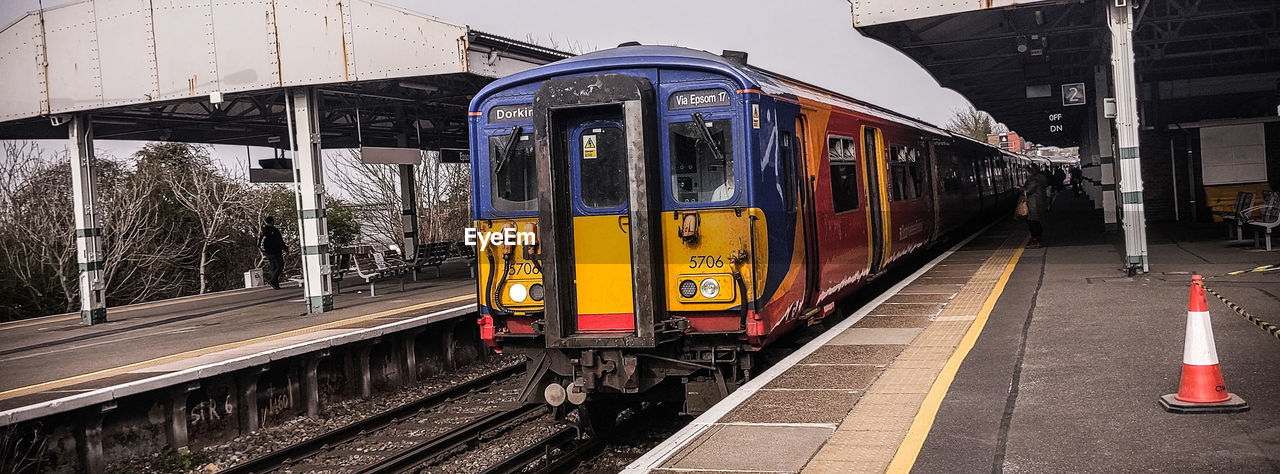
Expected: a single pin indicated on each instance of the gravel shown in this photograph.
(244, 448)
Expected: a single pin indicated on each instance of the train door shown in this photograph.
(800, 182)
(935, 187)
(877, 199)
(597, 158)
(596, 220)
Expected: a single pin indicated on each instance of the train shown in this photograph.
(691, 209)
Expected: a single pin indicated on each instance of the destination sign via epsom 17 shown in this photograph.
(699, 99)
(511, 113)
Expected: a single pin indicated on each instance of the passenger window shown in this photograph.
(905, 169)
(513, 173)
(701, 153)
(843, 154)
(603, 167)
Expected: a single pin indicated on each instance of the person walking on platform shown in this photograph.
(271, 243)
(1035, 195)
(1057, 183)
(1076, 186)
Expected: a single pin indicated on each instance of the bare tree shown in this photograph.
(443, 191)
(448, 209)
(212, 198)
(37, 230)
(142, 249)
(568, 46)
(974, 123)
(374, 193)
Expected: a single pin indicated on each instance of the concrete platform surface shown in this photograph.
(1088, 351)
(856, 387)
(48, 363)
(1056, 365)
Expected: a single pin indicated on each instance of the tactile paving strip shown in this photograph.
(870, 435)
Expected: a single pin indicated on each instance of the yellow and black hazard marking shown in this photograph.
(1265, 326)
(1264, 268)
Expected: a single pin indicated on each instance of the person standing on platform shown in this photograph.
(271, 243)
(1035, 194)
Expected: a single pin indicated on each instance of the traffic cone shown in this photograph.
(1202, 389)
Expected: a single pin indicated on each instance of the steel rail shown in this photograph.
(543, 449)
(312, 446)
(453, 439)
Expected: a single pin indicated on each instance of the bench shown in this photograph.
(339, 265)
(1234, 217)
(367, 267)
(1267, 217)
(431, 254)
(461, 249)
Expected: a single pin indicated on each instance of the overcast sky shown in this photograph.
(815, 43)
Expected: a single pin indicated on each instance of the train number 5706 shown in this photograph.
(706, 261)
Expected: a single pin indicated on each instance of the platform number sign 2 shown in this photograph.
(1073, 94)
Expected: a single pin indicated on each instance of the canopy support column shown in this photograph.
(84, 188)
(313, 228)
(1133, 215)
(408, 205)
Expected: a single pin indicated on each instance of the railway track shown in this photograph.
(453, 440)
(559, 452)
(311, 447)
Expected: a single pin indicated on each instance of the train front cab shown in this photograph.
(654, 233)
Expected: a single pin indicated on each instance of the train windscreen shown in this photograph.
(701, 160)
(513, 173)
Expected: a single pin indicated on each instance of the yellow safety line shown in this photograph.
(38, 321)
(909, 449)
(118, 309)
(17, 392)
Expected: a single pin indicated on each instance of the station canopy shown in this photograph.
(1199, 59)
(212, 71)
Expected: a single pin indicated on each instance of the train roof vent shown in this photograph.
(736, 57)
(630, 43)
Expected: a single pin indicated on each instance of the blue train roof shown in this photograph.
(637, 56)
(747, 77)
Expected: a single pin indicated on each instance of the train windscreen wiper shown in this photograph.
(508, 149)
(706, 135)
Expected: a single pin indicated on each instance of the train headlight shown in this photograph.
(688, 289)
(518, 293)
(709, 288)
(536, 291)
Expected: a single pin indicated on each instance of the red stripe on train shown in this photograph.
(607, 322)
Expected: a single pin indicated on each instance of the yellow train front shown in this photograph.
(650, 216)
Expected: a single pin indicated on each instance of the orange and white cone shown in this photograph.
(1202, 389)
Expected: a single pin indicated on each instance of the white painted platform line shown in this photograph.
(659, 454)
(105, 394)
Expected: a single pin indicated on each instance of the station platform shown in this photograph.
(54, 364)
(995, 357)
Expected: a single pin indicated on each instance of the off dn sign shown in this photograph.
(1055, 123)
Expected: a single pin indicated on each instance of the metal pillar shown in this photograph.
(1133, 219)
(409, 210)
(408, 205)
(313, 228)
(1106, 154)
(84, 188)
